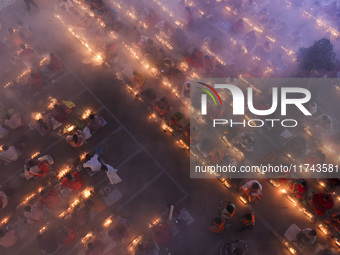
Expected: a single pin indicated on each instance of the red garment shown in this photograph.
(55, 65)
(320, 204)
(43, 168)
(50, 200)
(70, 237)
(75, 184)
(28, 54)
(37, 81)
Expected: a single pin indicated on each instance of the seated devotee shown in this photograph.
(95, 248)
(111, 174)
(278, 61)
(237, 28)
(8, 154)
(27, 55)
(219, 71)
(267, 47)
(35, 80)
(180, 37)
(186, 89)
(34, 212)
(315, 158)
(66, 235)
(66, 5)
(95, 123)
(13, 121)
(49, 199)
(45, 125)
(324, 121)
(151, 17)
(216, 156)
(76, 140)
(218, 225)
(148, 47)
(39, 167)
(13, 39)
(299, 188)
(137, 80)
(72, 182)
(246, 141)
(250, 40)
(195, 59)
(195, 135)
(8, 238)
(119, 231)
(263, 16)
(331, 9)
(161, 106)
(188, 17)
(333, 221)
(3, 200)
(111, 52)
(208, 66)
(54, 65)
(59, 113)
(253, 190)
(271, 24)
(162, 234)
(322, 203)
(165, 29)
(3, 132)
(306, 237)
(47, 241)
(93, 162)
(25, 30)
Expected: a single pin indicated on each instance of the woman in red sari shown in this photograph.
(74, 182)
(322, 203)
(54, 65)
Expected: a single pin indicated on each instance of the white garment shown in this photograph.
(10, 155)
(112, 175)
(68, 4)
(249, 184)
(93, 163)
(14, 122)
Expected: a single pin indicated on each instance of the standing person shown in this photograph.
(247, 221)
(218, 226)
(28, 5)
(111, 174)
(74, 182)
(93, 162)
